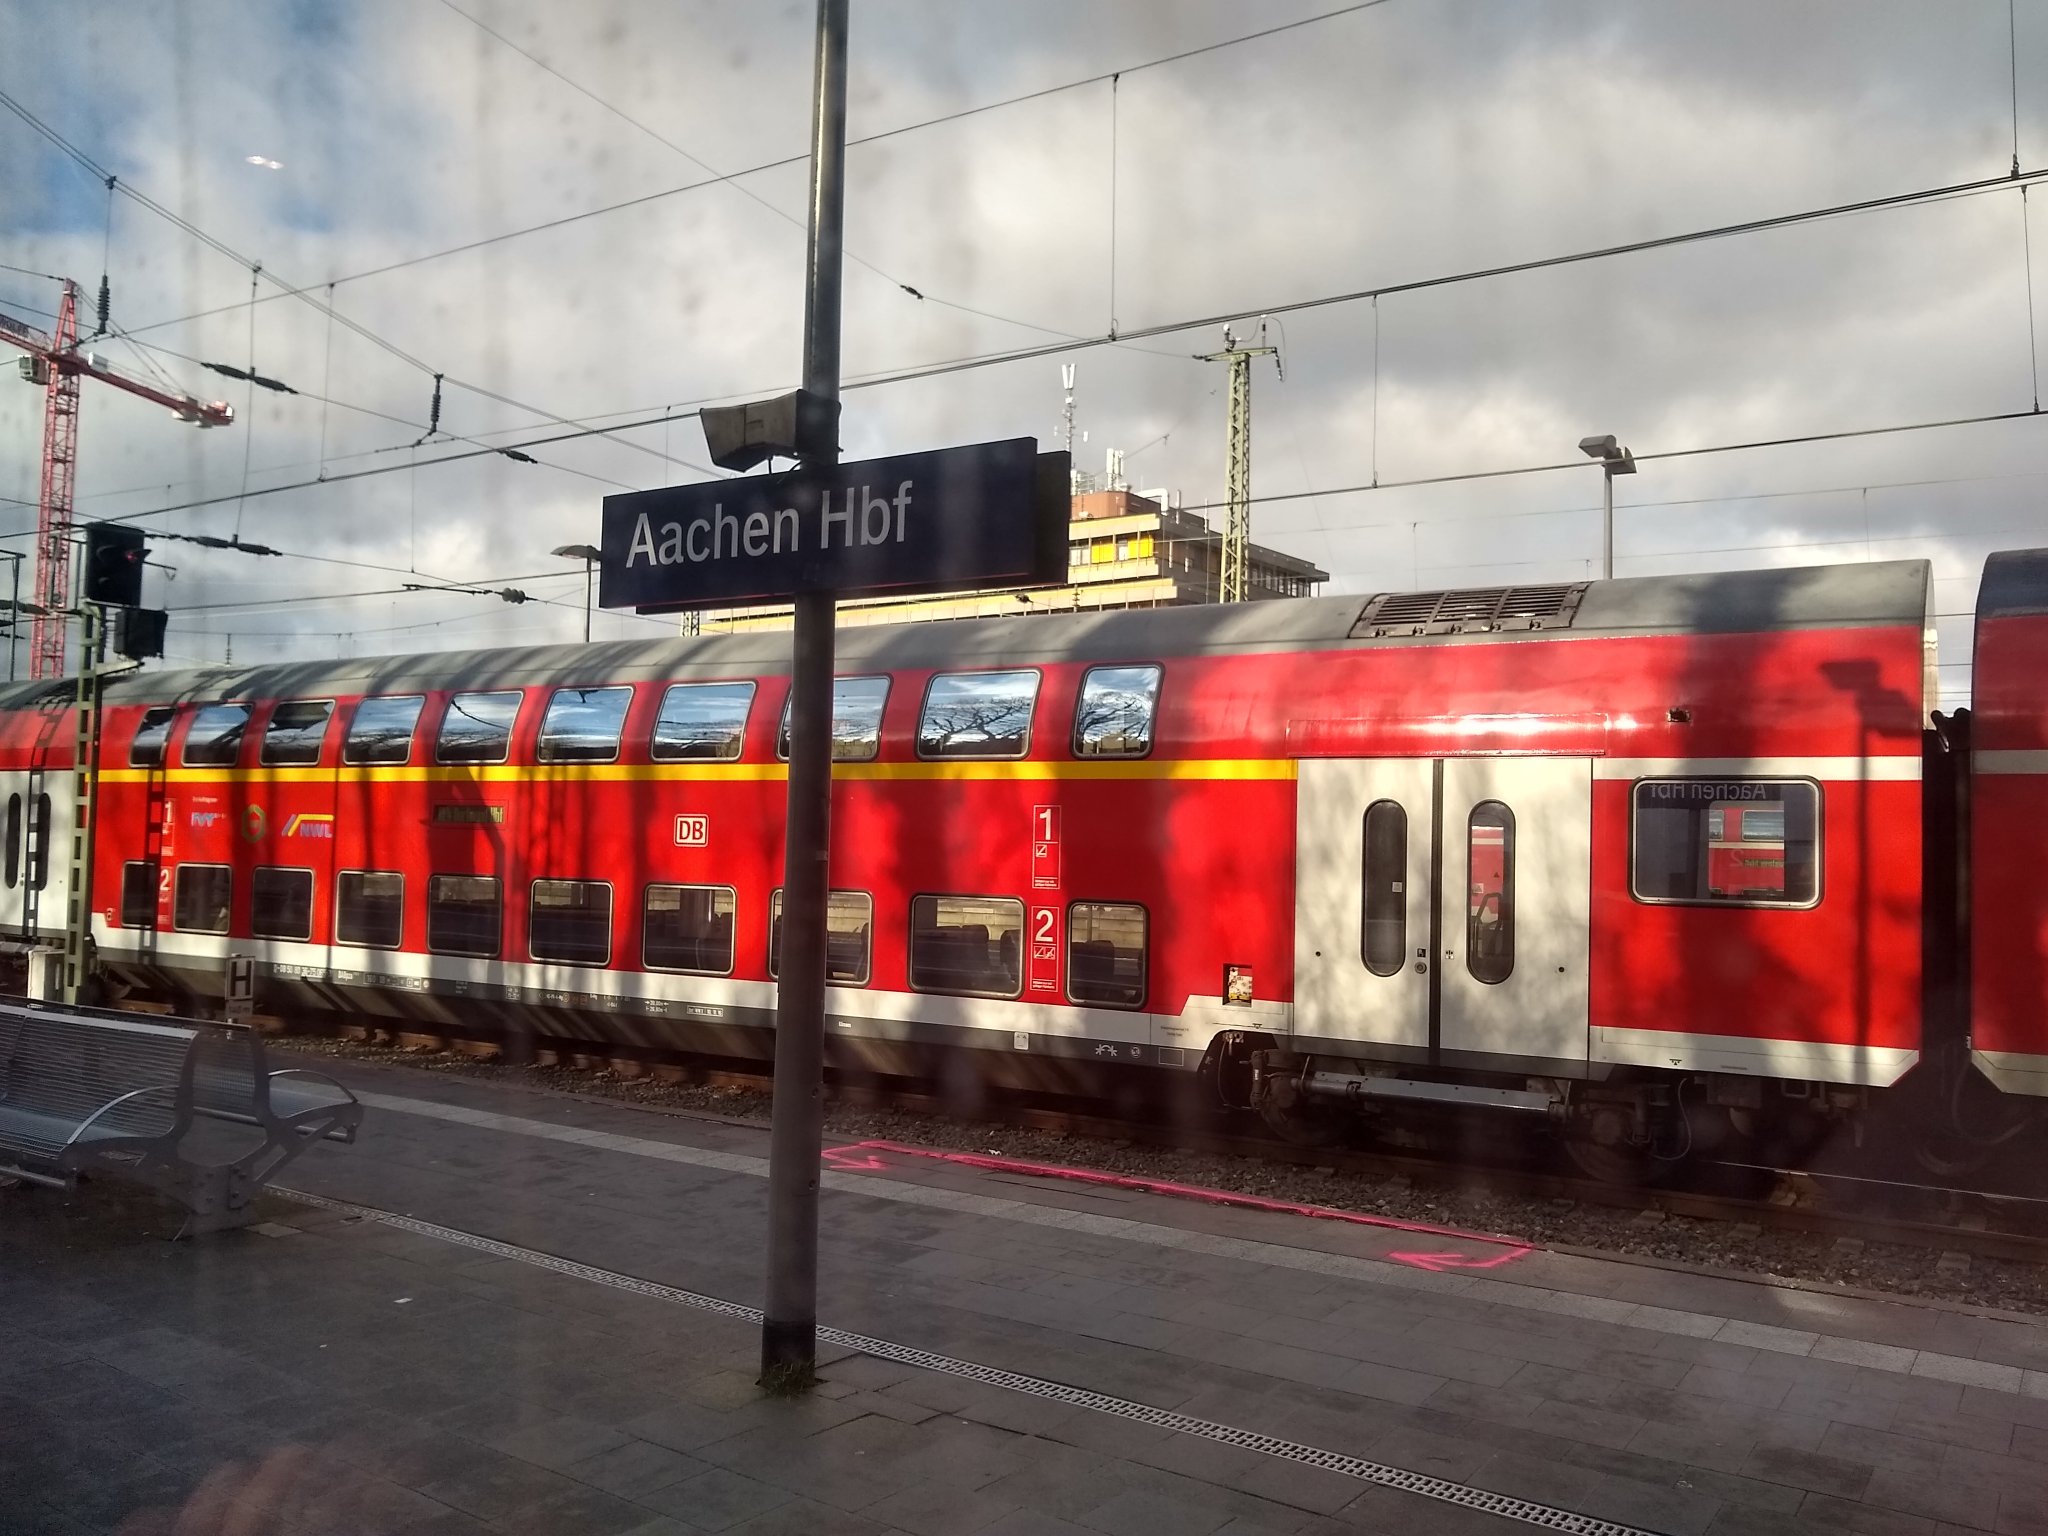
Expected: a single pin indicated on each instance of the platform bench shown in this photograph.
(193, 1111)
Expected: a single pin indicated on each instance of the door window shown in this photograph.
(1385, 941)
(1490, 891)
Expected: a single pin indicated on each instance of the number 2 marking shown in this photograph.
(1045, 921)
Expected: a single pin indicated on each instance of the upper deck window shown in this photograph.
(1113, 717)
(215, 737)
(1727, 842)
(296, 731)
(582, 725)
(147, 749)
(381, 731)
(477, 727)
(702, 722)
(977, 714)
(856, 719)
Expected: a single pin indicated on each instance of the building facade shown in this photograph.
(1123, 551)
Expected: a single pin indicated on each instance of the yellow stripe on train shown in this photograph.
(634, 773)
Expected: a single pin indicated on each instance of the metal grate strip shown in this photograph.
(1469, 610)
(1544, 1516)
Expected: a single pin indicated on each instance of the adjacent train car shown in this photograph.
(1605, 852)
(2009, 786)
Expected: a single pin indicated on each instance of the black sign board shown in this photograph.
(989, 515)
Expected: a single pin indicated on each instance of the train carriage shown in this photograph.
(1554, 849)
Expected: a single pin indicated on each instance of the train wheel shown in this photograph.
(1600, 1147)
(1291, 1116)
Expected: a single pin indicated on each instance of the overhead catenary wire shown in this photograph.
(921, 294)
(287, 290)
(1479, 274)
(785, 161)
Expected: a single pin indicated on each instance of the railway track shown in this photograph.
(1848, 1210)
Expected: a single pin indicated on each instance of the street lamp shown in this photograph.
(1614, 460)
(589, 554)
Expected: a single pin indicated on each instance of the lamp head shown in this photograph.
(1600, 447)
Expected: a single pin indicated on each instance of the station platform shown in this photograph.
(513, 1310)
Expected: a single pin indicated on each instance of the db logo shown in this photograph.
(693, 831)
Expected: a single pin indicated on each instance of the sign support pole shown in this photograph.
(789, 1324)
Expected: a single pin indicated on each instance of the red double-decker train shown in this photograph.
(1637, 857)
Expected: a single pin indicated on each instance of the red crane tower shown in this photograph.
(55, 362)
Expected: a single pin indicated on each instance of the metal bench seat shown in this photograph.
(165, 1105)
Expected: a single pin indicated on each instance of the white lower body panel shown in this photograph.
(1861, 1065)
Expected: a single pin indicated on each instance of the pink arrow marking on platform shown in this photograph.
(1439, 1262)
(845, 1160)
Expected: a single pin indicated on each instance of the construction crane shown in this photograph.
(1237, 526)
(56, 362)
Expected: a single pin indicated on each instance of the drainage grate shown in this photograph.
(1543, 1516)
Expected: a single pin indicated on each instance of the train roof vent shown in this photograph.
(1469, 610)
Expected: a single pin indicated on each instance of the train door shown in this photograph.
(1442, 907)
(1517, 836)
(1362, 932)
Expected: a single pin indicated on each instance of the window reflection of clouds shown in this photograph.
(477, 728)
(381, 731)
(856, 719)
(583, 725)
(702, 721)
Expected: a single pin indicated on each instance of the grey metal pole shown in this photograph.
(14, 619)
(588, 566)
(1607, 523)
(789, 1325)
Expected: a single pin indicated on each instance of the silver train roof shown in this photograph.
(1808, 597)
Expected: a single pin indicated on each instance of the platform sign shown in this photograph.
(1045, 848)
(987, 515)
(1044, 970)
(241, 988)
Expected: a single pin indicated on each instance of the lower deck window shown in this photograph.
(281, 903)
(369, 908)
(199, 897)
(1727, 842)
(464, 915)
(849, 921)
(1106, 954)
(687, 928)
(571, 921)
(139, 880)
(967, 944)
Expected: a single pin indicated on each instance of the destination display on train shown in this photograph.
(986, 515)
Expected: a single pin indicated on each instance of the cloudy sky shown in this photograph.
(1375, 147)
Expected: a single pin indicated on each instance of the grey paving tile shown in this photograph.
(1912, 1493)
(716, 1500)
(1810, 1470)
(492, 1488)
(1135, 1512)
(1866, 1519)
(580, 1512)
(635, 1468)
(1302, 1487)
(935, 1509)
(1030, 1522)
